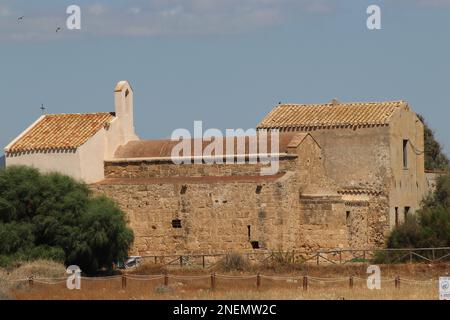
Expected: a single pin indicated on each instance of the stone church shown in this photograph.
(348, 173)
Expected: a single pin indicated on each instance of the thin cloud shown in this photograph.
(161, 17)
(4, 11)
(97, 9)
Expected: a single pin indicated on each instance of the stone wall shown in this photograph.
(323, 222)
(228, 207)
(204, 209)
(155, 168)
(215, 217)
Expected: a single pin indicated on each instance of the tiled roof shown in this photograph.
(60, 131)
(358, 191)
(163, 148)
(331, 115)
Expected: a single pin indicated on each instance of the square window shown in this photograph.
(176, 223)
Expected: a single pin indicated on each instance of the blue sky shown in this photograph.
(226, 62)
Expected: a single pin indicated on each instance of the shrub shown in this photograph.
(429, 228)
(52, 216)
(282, 258)
(233, 262)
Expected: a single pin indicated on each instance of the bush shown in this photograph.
(233, 262)
(52, 216)
(430, 227)
(281, 258)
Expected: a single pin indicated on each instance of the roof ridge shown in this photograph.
(80, 113)
(332, 115)
(344, 103)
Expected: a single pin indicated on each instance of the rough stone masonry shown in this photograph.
(348, 173)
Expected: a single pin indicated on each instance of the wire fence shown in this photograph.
(331, 256)
(216, 281)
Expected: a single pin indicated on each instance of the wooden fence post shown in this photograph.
(203, 261)
(166, 279)
(305, 283)
(351, 282)
(258, 281)
(30, 281)
(318, 257)
(340, 256)
(410, 256)
(124, 282)
(181, 261)
(213, 281)
(397, 282)
(156, 259)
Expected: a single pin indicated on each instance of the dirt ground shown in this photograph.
(417, 281)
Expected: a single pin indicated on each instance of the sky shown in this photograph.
(225, 62)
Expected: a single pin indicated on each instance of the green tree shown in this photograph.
(435, 158)
(53, 216)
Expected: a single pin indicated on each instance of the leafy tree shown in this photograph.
(53, 216)
(435, 158)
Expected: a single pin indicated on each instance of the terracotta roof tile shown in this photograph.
(60, 131)
(330, 115)
(163, 148)
(358, 191)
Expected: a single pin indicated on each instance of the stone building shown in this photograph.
(348, 172)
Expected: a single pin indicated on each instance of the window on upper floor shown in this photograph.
(405, 153)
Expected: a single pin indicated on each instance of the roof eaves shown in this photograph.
(9, 146)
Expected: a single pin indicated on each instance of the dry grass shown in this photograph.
(245, 289)
(38, 269)
(232, 290)
(9, 278)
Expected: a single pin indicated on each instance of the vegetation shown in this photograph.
(429, 228)
(244, 285)
(52, 216)
(435, 158)
(233, 262)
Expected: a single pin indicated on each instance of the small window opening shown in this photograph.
(406, 212)
(405, 153)
(127, 93)
(249, 232)
(183, 189)
(396, 216)
(255, 244)
(176, 223)
(347, 215)
(258, 189)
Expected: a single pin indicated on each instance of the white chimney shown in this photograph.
(123, 101)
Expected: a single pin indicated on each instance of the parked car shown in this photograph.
(133, 262)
